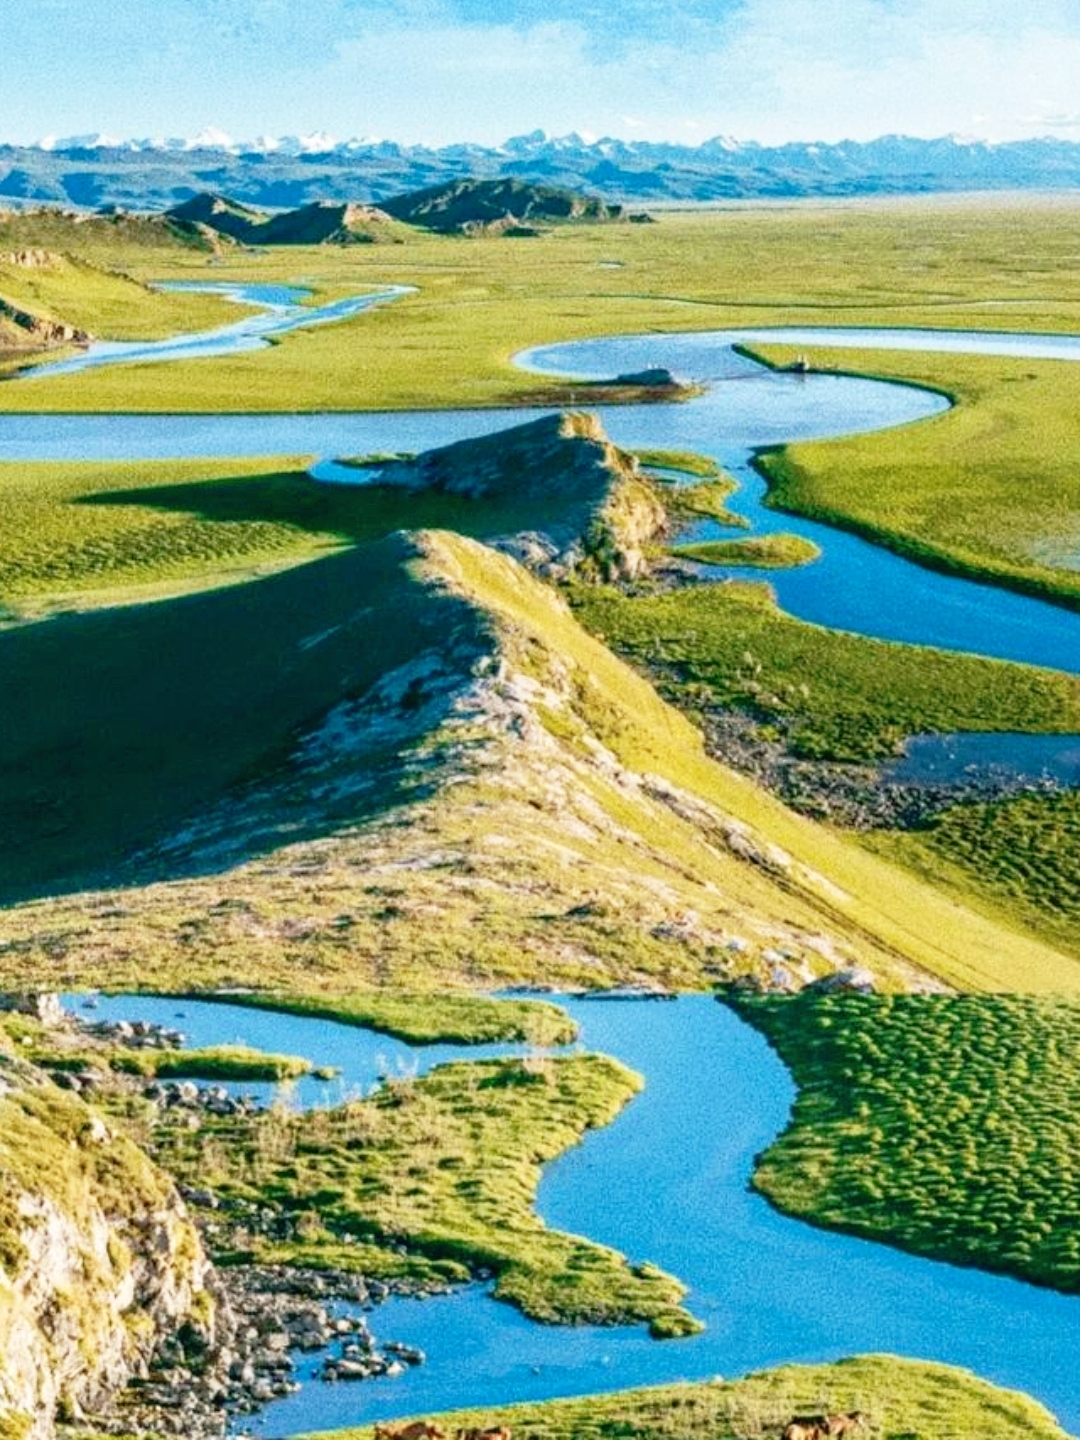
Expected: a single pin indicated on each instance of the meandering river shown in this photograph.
(666, 1182)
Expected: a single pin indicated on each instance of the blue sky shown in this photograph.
(443, 70)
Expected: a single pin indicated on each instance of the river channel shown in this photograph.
(666, 1182)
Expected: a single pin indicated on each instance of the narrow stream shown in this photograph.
(666, 1182)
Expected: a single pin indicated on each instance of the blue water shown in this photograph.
(667, 1182)
(933, 759)
(855, 586)
(280, 312)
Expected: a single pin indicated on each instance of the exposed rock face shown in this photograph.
(603, 514)
(98, 1258)
(39, 331)
(30, 259)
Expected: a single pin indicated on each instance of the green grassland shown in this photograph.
(447, 1167)
(988, 489)
(844, 696)
(109, 302)
(905, 1399)
(421, 1018)
(766, 552)
(947, 1125)
(938, 263)
(1019, 857)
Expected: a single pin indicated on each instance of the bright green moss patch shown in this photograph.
(905, 1400)
(447, 1166)
(843, 696)
(212, 1062)
(686, 462)
(429, 1019)
(946, 1125)
(769, 552)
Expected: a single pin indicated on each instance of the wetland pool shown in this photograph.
(666, 1182)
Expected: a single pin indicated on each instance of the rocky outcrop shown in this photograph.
(36, 331)
(99, 1261)
(594, 513)
(34, 259)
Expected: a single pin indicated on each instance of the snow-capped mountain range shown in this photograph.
(96, 169)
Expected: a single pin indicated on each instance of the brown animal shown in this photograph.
(806, 1427)
(845, 1424)
(410, 1430)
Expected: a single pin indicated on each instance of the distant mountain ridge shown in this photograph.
(91, 171)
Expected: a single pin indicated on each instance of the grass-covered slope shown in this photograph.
(1019, 856)
(946, 1125)
(504, 800)
(905, 1400)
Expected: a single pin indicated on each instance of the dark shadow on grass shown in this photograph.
(354, 514)
(118, 726)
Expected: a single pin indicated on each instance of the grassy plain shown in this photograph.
(1007, 264)
(947, 1125)
(905, 1399)
(844, 696)
(988, 489)
(447, 1167)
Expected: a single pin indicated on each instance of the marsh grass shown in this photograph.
(905, 1399)
(946, 1125)
(444, 1167)
(845, 697)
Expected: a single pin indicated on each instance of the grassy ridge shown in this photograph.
(906, 1400)
(447, 1166)
(845, 696)
(537, 861)
(946, 1125)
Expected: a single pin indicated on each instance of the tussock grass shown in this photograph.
(946, 1125)
(1020, 857)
